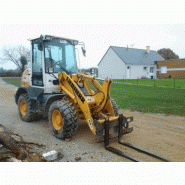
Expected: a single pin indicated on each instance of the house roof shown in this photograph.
(136, 56)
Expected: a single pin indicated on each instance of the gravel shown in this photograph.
(155, 132)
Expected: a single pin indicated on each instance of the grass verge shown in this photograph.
(142, 98)
(13, 81)
(149, 99)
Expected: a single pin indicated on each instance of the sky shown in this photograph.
(99, 24)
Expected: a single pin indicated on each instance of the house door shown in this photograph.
(151, 73)
(128, 72)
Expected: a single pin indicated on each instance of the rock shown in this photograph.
(84, 153)
(52, 155)
(77, 158)
(68, 139)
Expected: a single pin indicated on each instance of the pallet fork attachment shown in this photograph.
(124, 122)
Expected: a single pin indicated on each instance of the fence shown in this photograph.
(168, 83)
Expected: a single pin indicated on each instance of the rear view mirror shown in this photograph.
(40, 46)
(84, 52)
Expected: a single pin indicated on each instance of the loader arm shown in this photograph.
(102, 102)
(94, 105)
(68, 85)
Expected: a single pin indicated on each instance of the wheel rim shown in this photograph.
(23, 108)
(57, 120)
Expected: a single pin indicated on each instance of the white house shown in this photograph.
(128, 63)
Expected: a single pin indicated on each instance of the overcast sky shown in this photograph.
(99, 24)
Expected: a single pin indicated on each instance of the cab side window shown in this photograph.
(37, 77)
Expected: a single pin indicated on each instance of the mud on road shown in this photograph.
(164, 135)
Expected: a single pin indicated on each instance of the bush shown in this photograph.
(144, 77)
(10, 73)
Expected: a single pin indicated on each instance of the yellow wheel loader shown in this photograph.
(54, 88)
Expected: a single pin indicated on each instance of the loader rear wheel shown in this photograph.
(63, 119)
(27, 108)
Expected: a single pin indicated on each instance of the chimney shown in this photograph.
(148, 49)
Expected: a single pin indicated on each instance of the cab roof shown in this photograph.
(45, 36)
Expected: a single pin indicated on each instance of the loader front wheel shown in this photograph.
(57, 119)
(27, 108)
(62, 119)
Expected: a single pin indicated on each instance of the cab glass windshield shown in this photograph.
(60, 55)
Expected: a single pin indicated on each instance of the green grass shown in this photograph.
(14, 81)
(179, 83)
(168, 101)
(149, 99)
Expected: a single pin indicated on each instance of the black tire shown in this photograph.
(115, 107)
(31, 108)
(68, 114)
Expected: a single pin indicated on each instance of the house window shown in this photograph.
(151, 69)
(144, 68)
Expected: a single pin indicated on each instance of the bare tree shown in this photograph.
(23, 61)
(167, 54)
(18, 55)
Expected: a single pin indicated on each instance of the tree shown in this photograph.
(167, 54)
(18, 55)
(1, 70)
(23, 61)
